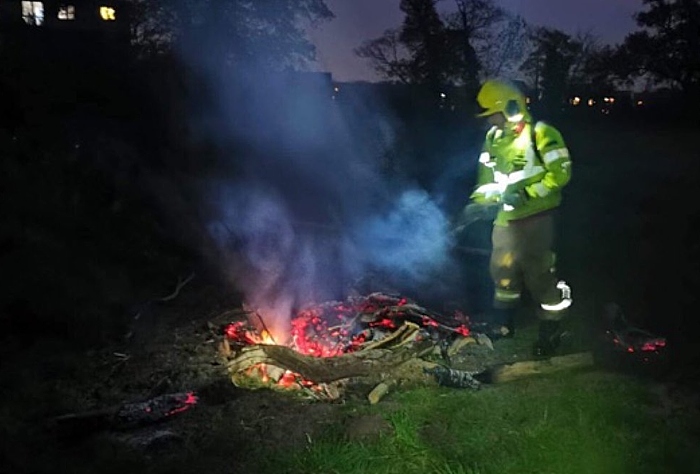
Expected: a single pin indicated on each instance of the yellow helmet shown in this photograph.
(501, 96)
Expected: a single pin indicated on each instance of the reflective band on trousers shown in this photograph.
(554, 155)
(566, 299)
(506, 295)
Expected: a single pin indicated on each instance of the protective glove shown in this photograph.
(514, 198)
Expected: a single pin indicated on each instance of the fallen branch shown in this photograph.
(178, 287)
(328, 369)
(405, 334)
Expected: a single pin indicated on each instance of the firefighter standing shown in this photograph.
(522, 169)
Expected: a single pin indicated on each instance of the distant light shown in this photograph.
(336, 89)
(33, 13)
(66, 12)
(591, 102)
(108, 13)
(443, 95)
(640, 103)
(528, 100)
(576, 101)
(612, 100)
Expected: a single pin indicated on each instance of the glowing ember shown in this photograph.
(654, 345)
(242, 333)
(336, 328)
(186, 402)
(638, 342)
(157, 408)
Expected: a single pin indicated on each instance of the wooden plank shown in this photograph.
(529, 368)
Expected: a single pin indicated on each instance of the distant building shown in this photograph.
(49, 18)
(63, 57)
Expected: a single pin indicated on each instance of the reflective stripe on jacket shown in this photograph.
(509, 163)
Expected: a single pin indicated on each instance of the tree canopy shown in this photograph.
(667, 48)
(456, 48)
(270, 33)
(477, 39)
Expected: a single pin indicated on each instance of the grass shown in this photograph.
(587, 422)
(578, 423)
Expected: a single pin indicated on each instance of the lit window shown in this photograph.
(33, 13)
(66, 12)
(108, 13)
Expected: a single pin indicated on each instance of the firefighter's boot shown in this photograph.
(548, 339)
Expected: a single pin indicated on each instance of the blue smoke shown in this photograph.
(411, 238)
(304, 209)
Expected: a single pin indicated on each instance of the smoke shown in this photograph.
(411, 238)
(304, 206)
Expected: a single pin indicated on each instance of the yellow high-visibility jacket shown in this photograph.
(511, 162)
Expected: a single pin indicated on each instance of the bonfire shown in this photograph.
(382, 338)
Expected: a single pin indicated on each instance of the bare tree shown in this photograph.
(595, 69)
(504, 48)
(487, 40)
(415, 53)
(476, 17)
(478, 39)
(388, 55)
(550, 63)
(423, 34)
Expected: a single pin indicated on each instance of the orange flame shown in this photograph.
(267, 338)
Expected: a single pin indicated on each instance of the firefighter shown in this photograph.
(523, 167)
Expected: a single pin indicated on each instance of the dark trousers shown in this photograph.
(522, 259)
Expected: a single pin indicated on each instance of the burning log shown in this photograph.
(129, 415)
(379, 337)
(328, 369)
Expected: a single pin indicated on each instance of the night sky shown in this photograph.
(357, 20)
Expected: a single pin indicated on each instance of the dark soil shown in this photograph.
(172, 348)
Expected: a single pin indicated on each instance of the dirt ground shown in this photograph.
(172, 349)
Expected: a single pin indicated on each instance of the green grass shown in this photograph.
(578, 423)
